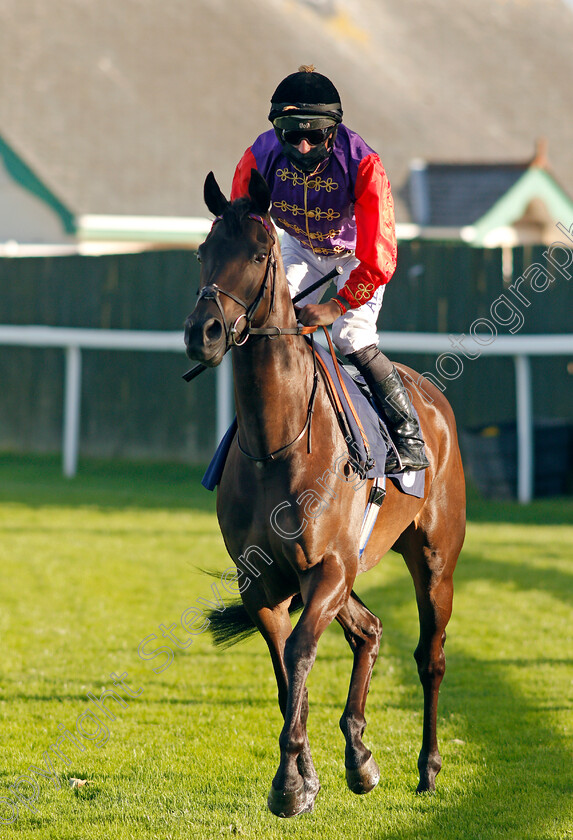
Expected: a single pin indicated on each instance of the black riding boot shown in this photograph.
(392, 400)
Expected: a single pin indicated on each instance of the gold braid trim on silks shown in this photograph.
(319, 183)
(338, 249)
(291, 208)
(317, 213)
(295, 228)
(286, 175)
(364, 292)
(320, 237)
(307, 237)
(312, 183)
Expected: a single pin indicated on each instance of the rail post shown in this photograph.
(72, 405)
(525, 460)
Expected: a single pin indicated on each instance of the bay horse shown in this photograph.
(311, 557)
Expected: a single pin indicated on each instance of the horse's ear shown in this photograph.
(214, 198)
(259, 192)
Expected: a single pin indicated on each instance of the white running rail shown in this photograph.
(74, 340)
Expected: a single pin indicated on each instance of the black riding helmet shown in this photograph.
(306, 103)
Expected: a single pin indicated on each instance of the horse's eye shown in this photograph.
(198, 255)
(259, 258)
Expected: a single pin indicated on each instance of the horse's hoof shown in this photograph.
(363, 779)
(290, 803)
(427, 785)
(311, 786)
(429, 767)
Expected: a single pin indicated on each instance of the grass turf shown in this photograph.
(91, 567)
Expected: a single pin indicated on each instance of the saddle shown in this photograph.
(369, 437)
(364, 430)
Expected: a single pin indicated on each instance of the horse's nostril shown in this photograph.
(213, 331)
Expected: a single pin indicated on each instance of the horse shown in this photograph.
(294, 547)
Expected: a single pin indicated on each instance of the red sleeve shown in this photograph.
(243, 175)
(375, 233)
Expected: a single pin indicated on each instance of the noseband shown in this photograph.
(213, 291)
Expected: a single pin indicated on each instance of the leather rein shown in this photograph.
(234, 339)
(212, 292)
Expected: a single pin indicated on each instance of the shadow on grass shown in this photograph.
(525, 578)
(37, 480)
(509, 777)
(521, 779)
(550, 511)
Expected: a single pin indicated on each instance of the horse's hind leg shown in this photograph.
(431, 556)
(363, 631)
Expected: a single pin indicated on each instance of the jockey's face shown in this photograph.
(307, 139)
(304, 146)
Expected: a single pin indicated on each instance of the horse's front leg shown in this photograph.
(324, 591)
(275, 627)
(363, 631)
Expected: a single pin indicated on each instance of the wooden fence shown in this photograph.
(135, 404)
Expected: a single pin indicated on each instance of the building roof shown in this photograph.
(29, 210)
(535, 205)
(487, 203)
(21, 173)
(123, 108)
(460, 194)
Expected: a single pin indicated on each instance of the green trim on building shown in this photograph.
(534, 183)
(27, 179)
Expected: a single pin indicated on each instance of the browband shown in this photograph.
(255, 218)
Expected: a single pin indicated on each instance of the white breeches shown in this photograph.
(350, 332)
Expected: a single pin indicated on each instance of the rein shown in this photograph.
(308, 423)
(213, 291)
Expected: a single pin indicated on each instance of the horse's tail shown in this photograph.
(233, 624)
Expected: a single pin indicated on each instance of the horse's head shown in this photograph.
(238, 266)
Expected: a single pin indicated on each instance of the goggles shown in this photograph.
(314, 136)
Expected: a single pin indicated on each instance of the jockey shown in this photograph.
(331, 197)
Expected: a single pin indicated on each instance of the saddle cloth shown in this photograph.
(411, 483)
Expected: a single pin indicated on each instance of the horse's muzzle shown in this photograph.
(205, 339)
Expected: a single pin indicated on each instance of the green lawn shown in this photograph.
(92, 567)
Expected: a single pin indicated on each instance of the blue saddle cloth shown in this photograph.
(411, 483)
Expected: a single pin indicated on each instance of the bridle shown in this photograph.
(212, 292)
